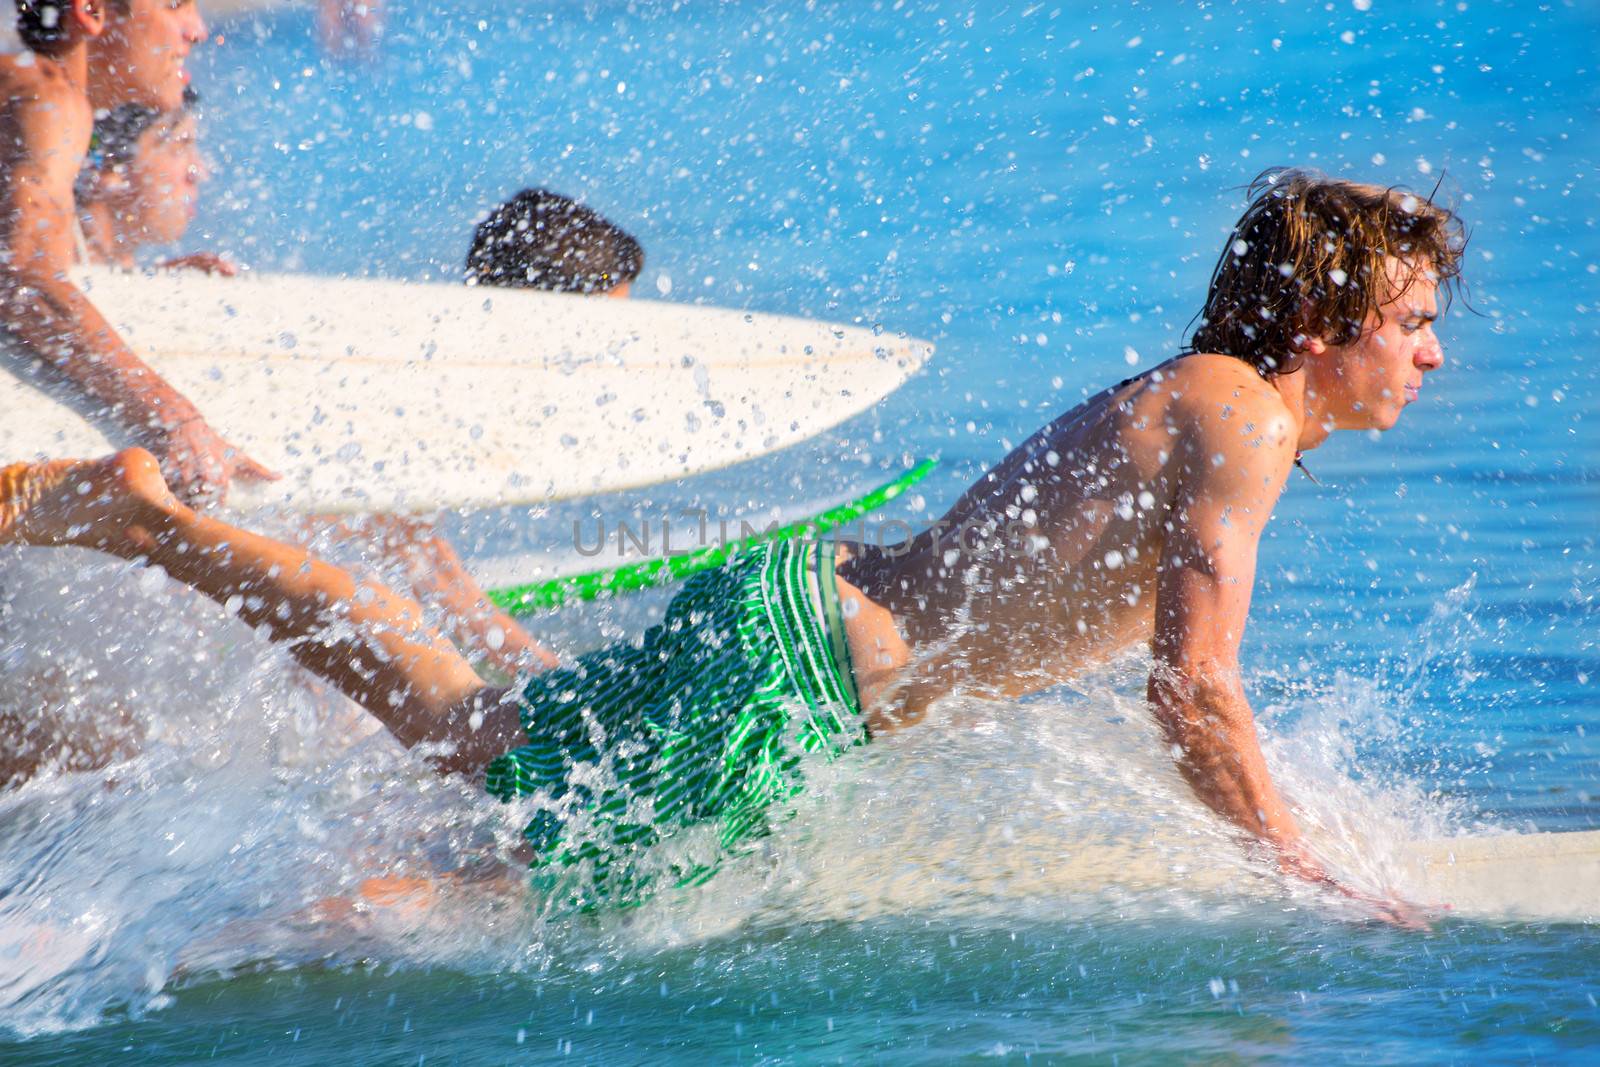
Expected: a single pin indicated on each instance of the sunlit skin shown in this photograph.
(434, 572)
(152, 199)
(110, 55)
(149, 200)
(1368, 383)
(1136, 517)
(142, 55)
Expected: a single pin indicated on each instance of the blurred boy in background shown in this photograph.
(140, 185)
(543, 240)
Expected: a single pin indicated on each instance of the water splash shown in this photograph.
(242, 823)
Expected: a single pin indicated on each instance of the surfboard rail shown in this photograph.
(1553, 877)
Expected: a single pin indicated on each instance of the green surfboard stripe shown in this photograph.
(535, 597)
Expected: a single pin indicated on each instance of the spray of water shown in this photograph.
(223, 812)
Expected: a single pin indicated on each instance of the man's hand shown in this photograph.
(1297, 862)
(198, 463)
(209, 262)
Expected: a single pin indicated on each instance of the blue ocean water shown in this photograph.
(1042, 190)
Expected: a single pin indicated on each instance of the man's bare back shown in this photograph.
(1050, 562)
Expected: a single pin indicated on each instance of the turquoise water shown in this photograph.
(1042, 190)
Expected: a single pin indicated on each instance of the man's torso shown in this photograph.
(1048, 563)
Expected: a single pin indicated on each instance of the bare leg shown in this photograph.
(435, 574)
(360, 637)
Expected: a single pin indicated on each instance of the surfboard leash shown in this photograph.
(534, 597)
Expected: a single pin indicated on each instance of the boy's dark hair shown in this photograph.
(543, 240)
(42, 24)
(1311, 257)
(115, 140)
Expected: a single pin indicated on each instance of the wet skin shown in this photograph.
(1139, 514)
(1049, 563)
(1137, 517)
(1052, 561)
(108, 56)
(150, 199)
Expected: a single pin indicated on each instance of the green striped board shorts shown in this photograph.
(704, 724)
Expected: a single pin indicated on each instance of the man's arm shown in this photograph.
(1228, 482)
(1232, 472)
(59, 325)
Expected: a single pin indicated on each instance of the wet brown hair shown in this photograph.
(1310, 258)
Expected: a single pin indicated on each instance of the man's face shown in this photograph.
(1380, 372)
(144, 48)
(164, 180)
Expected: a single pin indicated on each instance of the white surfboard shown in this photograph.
(1551, 877)
(380, 395)
(1547, 877)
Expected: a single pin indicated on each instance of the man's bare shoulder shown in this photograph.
(45, 124)
(43, 110)
(1234, 430)
(26, 79)
(1223, 399)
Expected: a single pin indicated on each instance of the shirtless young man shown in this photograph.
(1135, 517)
(88, 55)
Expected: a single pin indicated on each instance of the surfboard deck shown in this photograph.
(1541, 877)
(1550, 877)
(380, 395)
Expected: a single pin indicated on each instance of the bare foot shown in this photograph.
(79, 502)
